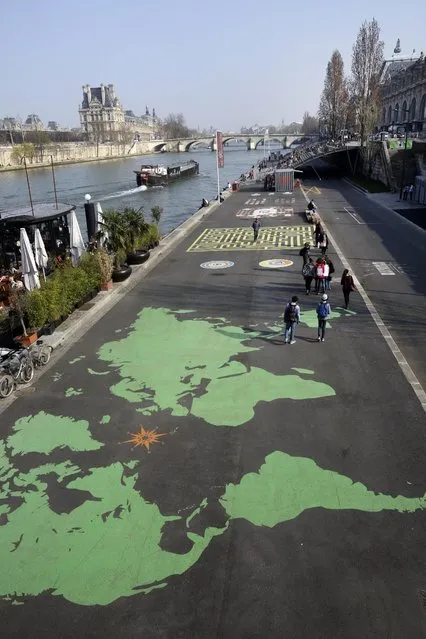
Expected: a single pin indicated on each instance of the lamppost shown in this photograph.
(404, 157)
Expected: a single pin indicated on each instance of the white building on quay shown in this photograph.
(103, 118)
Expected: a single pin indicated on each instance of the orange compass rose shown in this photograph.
(144, 438)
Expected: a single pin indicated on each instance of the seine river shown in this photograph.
(113, 183)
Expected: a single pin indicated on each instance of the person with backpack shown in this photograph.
(330, 273)
(291, 319)
(323, 312)
(304, 252)
(308, 272)
(348, 285)
(256, 227)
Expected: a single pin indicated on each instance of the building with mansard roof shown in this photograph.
(403, 95)
(103, 118)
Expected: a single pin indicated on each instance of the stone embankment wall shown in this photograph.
(376, 163)
(74, 152)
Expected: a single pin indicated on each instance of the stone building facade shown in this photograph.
(403, 95)
(103, 118)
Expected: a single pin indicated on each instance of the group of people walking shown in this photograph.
(321, 273)
(292, 318)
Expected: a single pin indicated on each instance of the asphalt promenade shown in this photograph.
(179, 472)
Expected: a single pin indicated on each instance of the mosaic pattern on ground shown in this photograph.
(241, 239)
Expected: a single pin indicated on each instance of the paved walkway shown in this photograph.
(179, 472)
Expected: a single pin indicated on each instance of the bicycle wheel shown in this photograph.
(44, 355)
(6, 385)
(27, 372)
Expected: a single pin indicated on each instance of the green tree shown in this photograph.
(23, 151)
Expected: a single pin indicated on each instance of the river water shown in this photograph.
(113, 184)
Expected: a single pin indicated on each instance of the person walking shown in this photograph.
(291, 319)
(322, 273)
(411, 191)
(324, 244)
(256, 227)
(304, 252)
(323, 312)
(319, 232)
(330, 272)
(348, 286)
(308, 272)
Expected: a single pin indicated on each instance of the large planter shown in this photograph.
(107, 286)
(121, 273)
(27, 340)
(48, 328)
(138, 257)
(83, 300)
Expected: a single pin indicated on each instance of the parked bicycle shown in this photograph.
(40, 353)
(7, 383)
(18, 364)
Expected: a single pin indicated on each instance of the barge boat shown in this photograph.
(160, 175)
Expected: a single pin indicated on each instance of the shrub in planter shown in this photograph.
(104, 262)
(91, 263)
(53, 297)
(37, 310)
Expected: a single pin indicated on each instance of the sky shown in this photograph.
(221, 63)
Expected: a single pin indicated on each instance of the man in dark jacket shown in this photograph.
(304, 252)
(256, 227)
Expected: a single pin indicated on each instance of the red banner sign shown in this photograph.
(220, 151)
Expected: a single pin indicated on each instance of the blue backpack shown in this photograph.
(323, 310)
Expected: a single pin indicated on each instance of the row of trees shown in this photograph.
(353, 102)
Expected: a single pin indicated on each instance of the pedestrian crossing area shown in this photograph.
(241, 239)
(269, 200)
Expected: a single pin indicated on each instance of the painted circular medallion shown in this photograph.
(275, 263)
(216, 264)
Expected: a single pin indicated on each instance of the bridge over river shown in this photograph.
(252, 141)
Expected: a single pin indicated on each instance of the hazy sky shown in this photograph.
(225, 64)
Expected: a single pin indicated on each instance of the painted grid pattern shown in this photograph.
(241, 239)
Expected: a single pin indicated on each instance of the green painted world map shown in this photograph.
(107, 545)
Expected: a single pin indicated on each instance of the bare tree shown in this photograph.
(310, 123)
(174, 126)
(334, 98)
(123, 137)
(367, 59)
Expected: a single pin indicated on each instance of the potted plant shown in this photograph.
(19, 305)
(136, 227)
(114, 235)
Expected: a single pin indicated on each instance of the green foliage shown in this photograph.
(62, 290)
(98, 266)
(136, 226)
(114, 234)
(37, 309)
(156, 212)
(21, 151)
